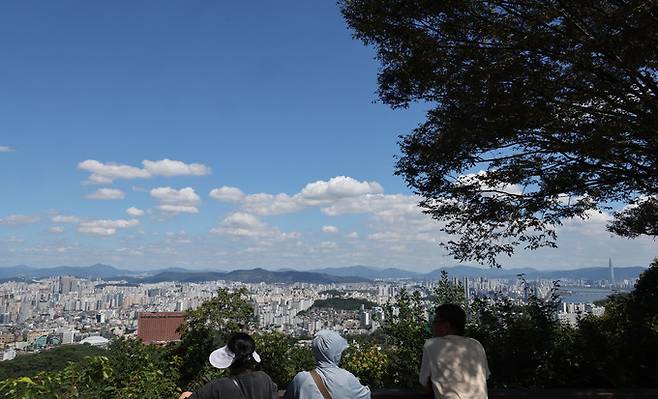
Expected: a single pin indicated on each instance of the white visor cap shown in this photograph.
(222, 358)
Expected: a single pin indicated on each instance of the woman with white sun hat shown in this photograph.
(240, 357)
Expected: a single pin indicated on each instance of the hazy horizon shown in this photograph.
(274, 268)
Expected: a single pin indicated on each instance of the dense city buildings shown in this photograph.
(66, 310)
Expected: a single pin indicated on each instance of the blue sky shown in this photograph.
(152, 106)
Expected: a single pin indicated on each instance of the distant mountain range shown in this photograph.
(351, 274)
(252, 276)
(91, 272)
(22, 273)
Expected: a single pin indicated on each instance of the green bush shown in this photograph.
(54, 359)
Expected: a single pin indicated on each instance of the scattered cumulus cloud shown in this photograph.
(107, 194)
(173, 201)
(479, 181)
(391, 218)
(264, 204)
(168, 168)
(134, 212)
(594, 223)
(18, 220)
(241, 224)
(4, 148)
(330, 229)
(171, 195)
(227, 194)
(56, 229)
(339, 187)
(176, 209)
(106, 173)
(105, 227)
(313, 194)
(65, 219)
(353, 235)
(178, 238)
(328, 245)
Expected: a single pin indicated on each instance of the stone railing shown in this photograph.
(527, 394)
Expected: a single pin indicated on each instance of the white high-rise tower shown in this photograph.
(612, 273)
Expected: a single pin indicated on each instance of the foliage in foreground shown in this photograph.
(51, 360)
(132, 370)
(526, 347)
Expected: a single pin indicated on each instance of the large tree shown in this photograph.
(540, 110)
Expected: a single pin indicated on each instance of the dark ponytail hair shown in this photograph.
(243, 346)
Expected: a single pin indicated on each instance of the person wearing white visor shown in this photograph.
(240, 357)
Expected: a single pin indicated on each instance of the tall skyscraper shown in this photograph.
(612, 273)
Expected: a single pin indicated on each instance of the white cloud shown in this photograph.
(393, 207)
(172, 196)
(56, 229)
(594, 223)
(134, 212)
(169, 167)
(241, 224)
(353, 234)
(227, 194)
(330, 229)
(267, 204)
(174, 201)
(178, 238)
(105, 227)
(106, 194)
(328, 245)
(339, 187)
(479, 181)
(313, 194)
(4, 148)
(399, 236)
(176, 209)
(18, 220)
(106, 173)
(65, 219)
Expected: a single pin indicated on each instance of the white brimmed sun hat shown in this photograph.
(223, 357)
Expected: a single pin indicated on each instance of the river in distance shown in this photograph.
(583, 294)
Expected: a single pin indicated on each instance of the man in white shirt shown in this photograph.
(454, 366)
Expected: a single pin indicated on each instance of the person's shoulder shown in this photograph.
(220, 382)
(350, 378)
(261, 375)
(473, 341)
(348, 374)
(434, 342)
(301, 377)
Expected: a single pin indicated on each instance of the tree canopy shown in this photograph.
(540, 110)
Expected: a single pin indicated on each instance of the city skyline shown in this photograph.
(132, 137)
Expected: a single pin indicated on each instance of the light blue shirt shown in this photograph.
(328, 347)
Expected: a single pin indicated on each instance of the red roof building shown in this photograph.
(159, 327)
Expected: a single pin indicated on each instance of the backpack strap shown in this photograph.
(320, 384)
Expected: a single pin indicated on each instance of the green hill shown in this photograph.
(49, 360)
(343, 303)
